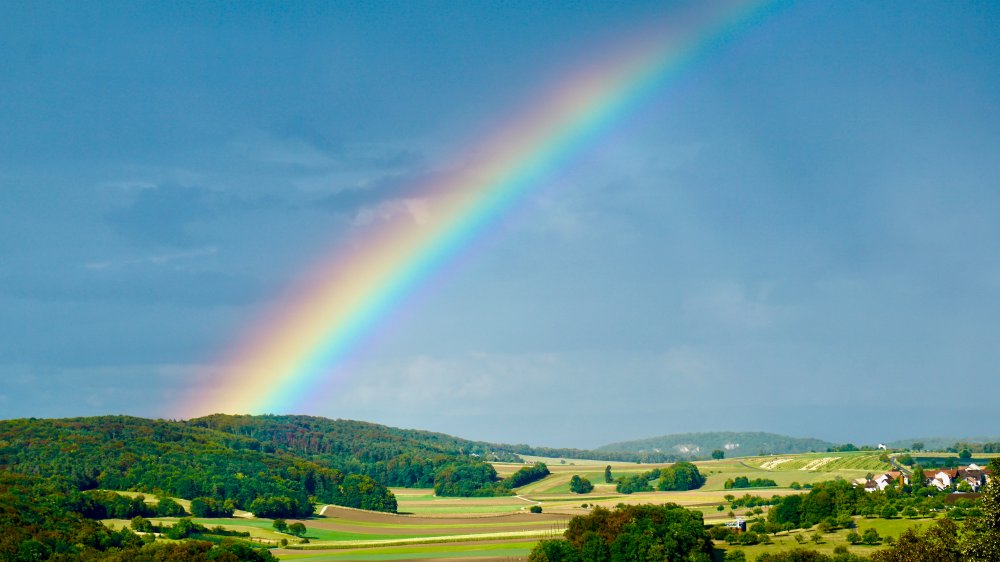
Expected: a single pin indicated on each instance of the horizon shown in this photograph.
(794, 230)
(595, 447)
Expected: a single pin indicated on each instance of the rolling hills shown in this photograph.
(734, 444)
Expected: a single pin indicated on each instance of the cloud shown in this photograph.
(730, 305)
(416, 209)
(146, 390)
(156, 259)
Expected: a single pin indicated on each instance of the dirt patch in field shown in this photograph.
(773, 464)
(342, 554)
(353, 521)
(818, 463)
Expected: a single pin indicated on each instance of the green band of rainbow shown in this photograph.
(293, 351)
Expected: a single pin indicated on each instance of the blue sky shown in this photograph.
(797, 235)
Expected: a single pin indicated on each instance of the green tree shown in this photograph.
(280, 525)
(608, 478)
(580, 485)
(917, 446)
(854, 538)
(553, 551)
(939, 543)
(870, 536)
(141, 524)
(298, 529)
(965, 454)
(735, 556)
(718, 454)
(167, 507)
(182, 529)
(981, 541)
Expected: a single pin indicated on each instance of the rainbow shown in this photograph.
(301, 345)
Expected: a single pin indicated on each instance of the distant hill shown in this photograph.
(938, 443)
(393, 456)
(735, 444)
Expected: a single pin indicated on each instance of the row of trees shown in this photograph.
(469, 480)
(743, 482)
(527, 475)
(680, 476)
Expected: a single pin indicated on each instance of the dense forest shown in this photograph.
(393, 456)
(174, 459)
(269, 465)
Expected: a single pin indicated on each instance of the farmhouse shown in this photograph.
(974, 475)
(882, 481)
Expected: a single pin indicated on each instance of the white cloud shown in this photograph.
(416, 209)
(156, 259)
(729, 304)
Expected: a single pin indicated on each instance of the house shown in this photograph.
(974, 475)
(943, 479)
(882, 481)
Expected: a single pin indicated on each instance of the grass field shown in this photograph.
(786, 541)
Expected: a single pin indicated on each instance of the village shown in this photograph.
(963, 479)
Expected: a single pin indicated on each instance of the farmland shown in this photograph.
(432, 527)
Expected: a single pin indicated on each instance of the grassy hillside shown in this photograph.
(734, 444)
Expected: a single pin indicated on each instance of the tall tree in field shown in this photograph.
(607, 474)
(580, 485)
(718, 454)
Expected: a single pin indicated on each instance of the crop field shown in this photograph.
(502, 528)
(820, 462)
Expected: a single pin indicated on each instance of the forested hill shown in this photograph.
(177, 459)
(734, 444)
(296, 459)
(393, 456)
